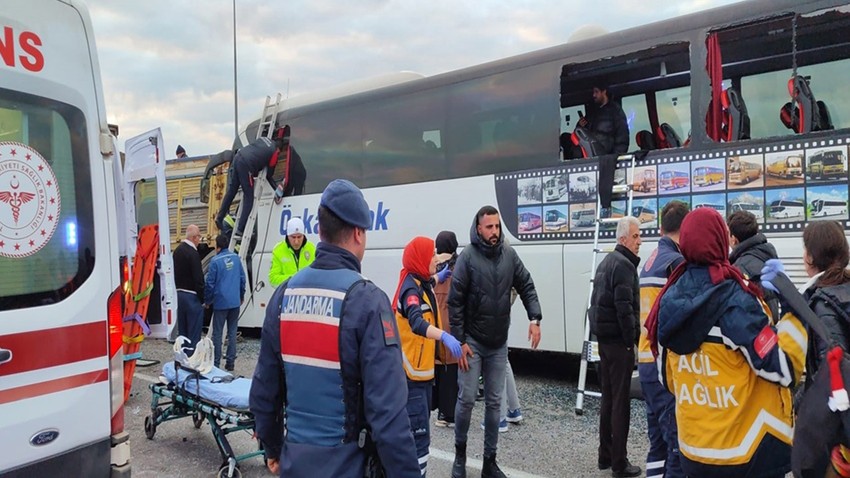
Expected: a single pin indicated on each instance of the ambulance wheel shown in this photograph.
(198, 418)
(222, 472)
(150, 427)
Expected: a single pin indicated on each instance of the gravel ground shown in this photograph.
(551, 441)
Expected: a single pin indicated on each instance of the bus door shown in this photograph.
(146, 200)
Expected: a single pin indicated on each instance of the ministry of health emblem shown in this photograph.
(29, 201)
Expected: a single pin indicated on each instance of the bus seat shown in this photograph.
(736, 120)
(804, 113)
(667, 137)
(583, 138)
(645, 140)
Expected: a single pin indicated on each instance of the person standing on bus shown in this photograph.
(662, 459)
(189, 282)
(615, 320)
(607, 123)
(750, 250)
(330, 361)
(480, 315)
(295, 176)
(181, 152)
(730, 369)
(224, 292)
(291, 254)
(416, 314)
(247, 163)
(446, 374)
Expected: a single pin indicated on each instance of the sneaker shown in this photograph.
(503, 426)
(444, 423)
(480, 395)
(514, 416)
(229, 367)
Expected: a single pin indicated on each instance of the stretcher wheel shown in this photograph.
(222, 472)
(150, 427)
(198, 418)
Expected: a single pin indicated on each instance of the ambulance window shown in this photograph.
(46, 220)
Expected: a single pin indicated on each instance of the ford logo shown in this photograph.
(44, 437)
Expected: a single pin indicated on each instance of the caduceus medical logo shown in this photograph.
(29, 201)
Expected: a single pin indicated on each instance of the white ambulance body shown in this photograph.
(61, 366)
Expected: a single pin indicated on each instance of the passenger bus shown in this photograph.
(706, 176)
(789, 168)
(555, 220)
(61, 237)
(583, 218)
(742, 172)
(556, 188)
(827, 164)
(528, 221)
(826, 207)
(645, 182)
(784, 209)
(644, 214)
(755, 209)
(673, 179)
(414, 190)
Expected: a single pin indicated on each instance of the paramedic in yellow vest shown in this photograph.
(292, 254)
(662, 459)
(416, 314)
(729, 368)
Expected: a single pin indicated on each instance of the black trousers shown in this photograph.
(615, 374)
(446, 390)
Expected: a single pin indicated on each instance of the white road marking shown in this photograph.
(477, 464)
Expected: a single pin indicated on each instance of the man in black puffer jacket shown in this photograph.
(608, 123)
(750, 250)
(480, 316)
(615, 320)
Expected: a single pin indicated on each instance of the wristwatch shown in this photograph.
(535, 322)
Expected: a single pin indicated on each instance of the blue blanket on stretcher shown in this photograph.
(218, 386)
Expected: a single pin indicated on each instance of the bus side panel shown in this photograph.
(548, 281)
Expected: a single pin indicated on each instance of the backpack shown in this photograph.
(823, 411)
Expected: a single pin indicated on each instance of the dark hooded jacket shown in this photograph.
(480, 296)
(615, 304)
(832, 305)
(749, 256)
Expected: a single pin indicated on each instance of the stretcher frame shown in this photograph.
(182, 403)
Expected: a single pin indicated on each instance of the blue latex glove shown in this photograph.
(278, 192)
(443, 275)
(451, 343)
(772, 268)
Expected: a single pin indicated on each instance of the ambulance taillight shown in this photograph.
(116, 358)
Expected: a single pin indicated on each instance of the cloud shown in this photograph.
(170, 64)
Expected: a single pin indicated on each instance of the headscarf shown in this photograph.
(703, 240)
(446, 242)
(416, 260)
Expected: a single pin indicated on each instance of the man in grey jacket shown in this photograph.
(480, 316)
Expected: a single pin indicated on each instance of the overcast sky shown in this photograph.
(169, 64)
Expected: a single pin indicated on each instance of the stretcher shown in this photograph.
(217, 397)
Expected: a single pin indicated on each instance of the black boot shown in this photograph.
(491, 469)
(459, 466)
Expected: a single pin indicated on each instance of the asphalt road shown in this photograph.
(551, 441)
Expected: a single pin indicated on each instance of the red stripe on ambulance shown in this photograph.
(53, 386)
(51, 347)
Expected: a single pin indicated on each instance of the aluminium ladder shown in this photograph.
(266, 128)
(590, 348)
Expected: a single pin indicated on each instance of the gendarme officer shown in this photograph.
(334, 374)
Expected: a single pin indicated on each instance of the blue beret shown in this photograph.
(345, 200)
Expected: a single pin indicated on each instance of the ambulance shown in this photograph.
(61, 365)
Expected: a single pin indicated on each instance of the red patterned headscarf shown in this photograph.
(416, 260)
(703, 240)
